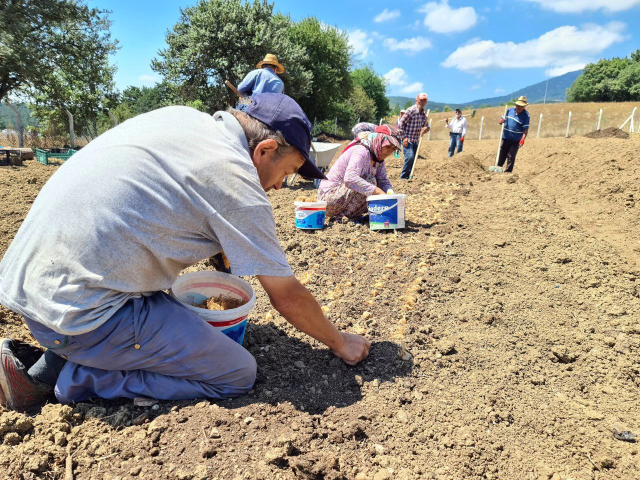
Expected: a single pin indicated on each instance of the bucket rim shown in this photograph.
(319, 203)
(386, 196)
(233, 313)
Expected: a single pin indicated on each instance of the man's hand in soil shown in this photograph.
(405, 142)
(354, 348)
(295, 303)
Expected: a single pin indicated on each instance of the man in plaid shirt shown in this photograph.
(413, 125)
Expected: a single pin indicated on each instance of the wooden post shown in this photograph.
(599, 120)
(568, 125)
(506, 107)
(429, 133)
(539, 126)
(71, 130)
(481, 125)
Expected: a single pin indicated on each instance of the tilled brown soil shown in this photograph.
(505, 329)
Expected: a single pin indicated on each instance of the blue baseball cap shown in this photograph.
(281, 113)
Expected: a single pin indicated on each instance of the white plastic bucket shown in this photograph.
(195, 287)
(386, 212)
(310, 215)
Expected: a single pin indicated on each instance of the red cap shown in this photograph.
(422, 96)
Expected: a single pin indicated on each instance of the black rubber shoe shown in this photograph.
(18, 391)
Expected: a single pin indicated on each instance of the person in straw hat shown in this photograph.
(516, 128)
(264, 79)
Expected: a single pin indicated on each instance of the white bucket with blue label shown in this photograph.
(310, 215)
(193, 288)
(386, 212)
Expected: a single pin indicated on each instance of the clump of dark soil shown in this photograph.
(611, 132)
(331, 138)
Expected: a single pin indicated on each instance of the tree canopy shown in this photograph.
(328, 61)
(374, 87)
(614, 80)
(56, 53)
(218, 40)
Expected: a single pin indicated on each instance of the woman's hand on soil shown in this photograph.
(354, 348)
(378, 191)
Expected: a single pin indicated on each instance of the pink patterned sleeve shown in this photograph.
(358, 165)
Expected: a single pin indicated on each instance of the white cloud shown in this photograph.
(387, 15)
(441, 18)
(148, 79)
(413, 88)
(557, 71)
(360, 42)
(579, 6)
(499, 90)
(396, 77)
(562, 48)
(410, 45)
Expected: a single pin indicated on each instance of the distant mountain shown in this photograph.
(401, 101)
(556, 92)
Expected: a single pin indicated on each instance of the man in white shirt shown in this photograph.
(458, 127)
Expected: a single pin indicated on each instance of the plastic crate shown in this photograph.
(61, 154)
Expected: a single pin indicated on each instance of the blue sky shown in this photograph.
(455, 50)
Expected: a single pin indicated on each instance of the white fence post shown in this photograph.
(358, 120)
(599, 119)
(428, 134)
(72, 134)
(633, 114)
(539, 126)
(568, 125)
(630, 119)
(481, 125)
(113, 118)
(335, 127)
(380, 122)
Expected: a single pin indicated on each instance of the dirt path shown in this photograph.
(505, 329)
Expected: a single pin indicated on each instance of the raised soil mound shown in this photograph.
(611, 132)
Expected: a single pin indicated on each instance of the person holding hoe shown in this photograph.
(516, 128)
(458, 127)
(89, 267)
(413, 125)
(359, 172)
(264, 79)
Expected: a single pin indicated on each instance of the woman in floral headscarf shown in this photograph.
(359, 172)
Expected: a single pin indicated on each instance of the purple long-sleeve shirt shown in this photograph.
(351, 167)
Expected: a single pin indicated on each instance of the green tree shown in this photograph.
(363, 107)
(42, 39)
(56, 54)
(375, 88)
(599, 82)
(629, 82)
(408, 104)
(447, 108)
(219, 40)
(328, 60)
